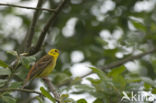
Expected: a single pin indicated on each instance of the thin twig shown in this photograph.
(47, 26)
(22, 90)
(52, 89)
(25, 7)
(30, 33)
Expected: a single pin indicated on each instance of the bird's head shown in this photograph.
(54, 52)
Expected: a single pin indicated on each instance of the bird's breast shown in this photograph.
(48, 69)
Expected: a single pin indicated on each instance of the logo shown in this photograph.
(138, 96)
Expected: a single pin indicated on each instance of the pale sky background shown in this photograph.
(78, 69)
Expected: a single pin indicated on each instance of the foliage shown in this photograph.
(103, 31)
(47, 94)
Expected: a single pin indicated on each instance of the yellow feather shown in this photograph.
(48, 69)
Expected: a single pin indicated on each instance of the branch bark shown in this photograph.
(22, 90)
(52, 89)
(125, 60)
(25, 7)
(30, 33)
(46, 28)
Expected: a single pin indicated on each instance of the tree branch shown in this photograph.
(115, 64)
(22, 90)
(25, 7)
(52, 89)
(30, 33)
(125, 60)
(46, 27)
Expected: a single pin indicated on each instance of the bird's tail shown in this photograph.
(26, 81)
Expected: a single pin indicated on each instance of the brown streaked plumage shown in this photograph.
(43, 66)
(39, 66)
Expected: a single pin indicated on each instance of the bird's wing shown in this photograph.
(40, 66)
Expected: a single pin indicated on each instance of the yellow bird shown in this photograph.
(44, 66)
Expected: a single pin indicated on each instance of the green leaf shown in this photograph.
(64, 96)
(153, 90)
(117, 71)
(81, 101)
(84, 88)
(132, 79)
(105, 85)
(65, 99)
(98, 101)
(12, 52)
(101, 41)
(47, 94)
(94, 81)
(3, 64)
(26, 61)
(148, 81)
(5, 71)
(117, 79)
(8, 99)
(147, 86)
(76, 80)
(61, 77)
(39, 99)
(138, 25)
(68, 100)
(119, 82)
(2, 82)
(15, 84)
(100, 73)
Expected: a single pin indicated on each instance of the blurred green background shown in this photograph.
(89, 33)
